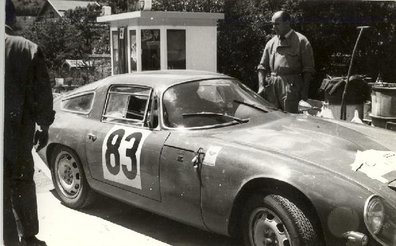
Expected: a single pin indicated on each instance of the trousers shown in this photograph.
(20, 201)
(284, 91)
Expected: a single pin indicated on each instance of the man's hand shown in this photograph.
(261, 80)
(261, 90)
(41, 137)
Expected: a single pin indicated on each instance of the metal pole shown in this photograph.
(343, 104)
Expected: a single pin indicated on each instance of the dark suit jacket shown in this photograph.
(28, 95)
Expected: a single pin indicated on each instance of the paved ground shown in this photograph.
(110, 222)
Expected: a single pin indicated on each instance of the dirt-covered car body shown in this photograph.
(200, 167)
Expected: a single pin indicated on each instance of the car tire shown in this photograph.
(69, 179)
(272, 219)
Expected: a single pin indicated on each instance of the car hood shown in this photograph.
(331, 145)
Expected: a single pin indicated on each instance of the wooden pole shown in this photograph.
(343, 103)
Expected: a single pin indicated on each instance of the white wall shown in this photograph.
(201, 48)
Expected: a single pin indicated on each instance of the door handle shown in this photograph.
(92, 137)
(198, 158)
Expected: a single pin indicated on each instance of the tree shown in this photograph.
(330, 26)
(75, 36)
(189, 5)
(120, 6)
(89, 34)
(54, 37)
(27, 7)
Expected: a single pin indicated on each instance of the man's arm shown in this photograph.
(42, 92)
(261, 78)
(308, 67)
(262, 69)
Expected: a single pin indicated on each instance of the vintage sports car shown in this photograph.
(203, 149)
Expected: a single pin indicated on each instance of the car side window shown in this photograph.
(127, 104)
(78, 104)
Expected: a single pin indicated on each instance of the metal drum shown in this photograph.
(383, 105)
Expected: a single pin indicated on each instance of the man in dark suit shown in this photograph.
(28, 101)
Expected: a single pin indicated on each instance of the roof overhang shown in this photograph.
(162, 18)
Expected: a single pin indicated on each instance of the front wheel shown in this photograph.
(272, 219)
(69, 179)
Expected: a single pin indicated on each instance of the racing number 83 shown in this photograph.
(113, 149)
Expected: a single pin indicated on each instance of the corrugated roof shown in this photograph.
(62, 6)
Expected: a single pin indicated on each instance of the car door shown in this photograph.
(181, 177)
(121, 150)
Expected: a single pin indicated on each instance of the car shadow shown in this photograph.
(155, 226)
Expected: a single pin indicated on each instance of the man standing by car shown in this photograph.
(286, 67)
(28, 100)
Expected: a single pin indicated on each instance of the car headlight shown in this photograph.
(380, 220)
(375, 214)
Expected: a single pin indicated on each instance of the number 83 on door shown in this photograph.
(121, 151)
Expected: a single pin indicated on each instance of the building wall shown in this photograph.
(200, 36)
(202, 48)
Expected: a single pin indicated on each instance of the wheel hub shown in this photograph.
(68, 175)
(268, 229)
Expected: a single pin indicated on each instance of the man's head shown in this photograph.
(10, 13)
(281, 22)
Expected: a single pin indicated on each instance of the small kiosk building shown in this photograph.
(154, 40)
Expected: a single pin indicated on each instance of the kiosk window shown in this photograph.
(176, 40)
(151, 52)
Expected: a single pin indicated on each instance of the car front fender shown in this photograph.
(337, 202)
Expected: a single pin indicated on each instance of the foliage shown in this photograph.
(120, 6)
(330, 26)
(189, 5)
(27, 7)
(332, 30)
(75, 36)
(54, 37)
(89, 35)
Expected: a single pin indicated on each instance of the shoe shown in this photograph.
(31, 241)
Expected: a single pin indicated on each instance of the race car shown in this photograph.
(203, 149)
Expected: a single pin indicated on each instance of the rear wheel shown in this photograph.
(69, 178)
(272, 219)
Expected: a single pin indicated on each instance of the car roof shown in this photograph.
(159, 79)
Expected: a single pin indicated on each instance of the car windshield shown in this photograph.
(209, 103)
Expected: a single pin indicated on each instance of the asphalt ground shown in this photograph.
(109, 222)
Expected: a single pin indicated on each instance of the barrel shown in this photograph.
(383, 105)
(350, 111)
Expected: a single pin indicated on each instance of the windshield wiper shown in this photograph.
(255, 106)
(239, 120)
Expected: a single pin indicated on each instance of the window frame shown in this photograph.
(114, 63)
(124, 121)
(130, 31)
(75, 96)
